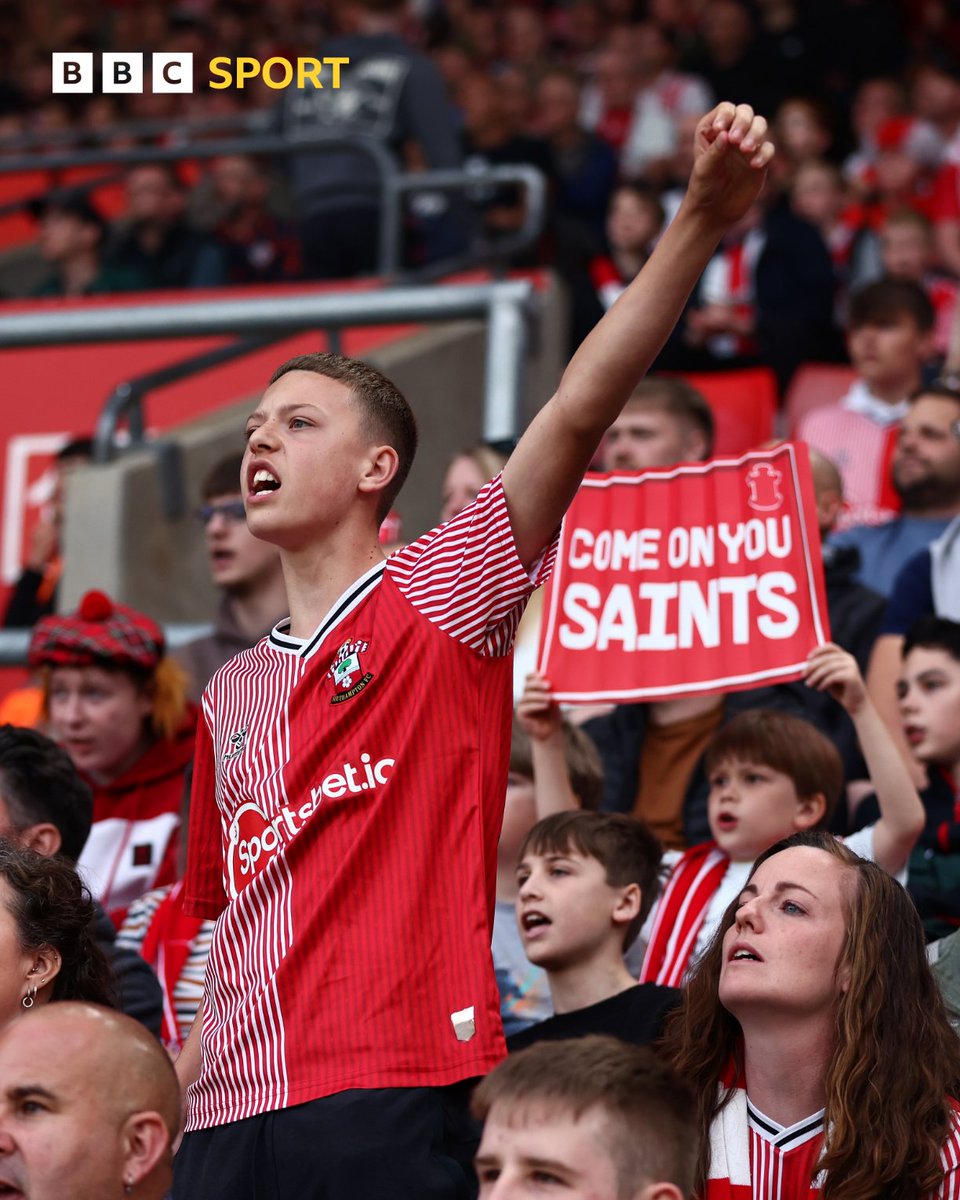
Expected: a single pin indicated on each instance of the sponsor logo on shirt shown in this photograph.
(347, 674)
(235, 742)
(254, 839)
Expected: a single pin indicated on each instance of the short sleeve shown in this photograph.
(466, 577)
(912, 595)
(203, 892)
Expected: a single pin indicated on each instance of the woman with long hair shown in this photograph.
(47, 947)
(118, 705)
(815, 1036)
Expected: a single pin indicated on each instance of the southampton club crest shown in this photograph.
(347, 673)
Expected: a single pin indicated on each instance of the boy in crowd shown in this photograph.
(929, 696)
(889, 339)
(538, 746)
(587, 882)
(245, 569)
(350, 768)
(592, 1119)
(772, 775)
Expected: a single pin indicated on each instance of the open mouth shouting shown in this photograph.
(532, 923)
(263, 481)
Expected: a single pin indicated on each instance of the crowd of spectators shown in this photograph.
(599, 95)
(639, 874)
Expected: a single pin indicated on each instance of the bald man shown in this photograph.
(89, 1107)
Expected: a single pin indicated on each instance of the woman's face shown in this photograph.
(781, 954)
(98, 717)
(461, 486)
(16, 965)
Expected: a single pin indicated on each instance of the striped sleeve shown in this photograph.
(137, 921)
(203, 892)
(950, 1157)
(465, 575)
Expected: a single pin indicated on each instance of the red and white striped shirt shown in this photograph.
(754, 1158)
(346, 810)
(859, 435)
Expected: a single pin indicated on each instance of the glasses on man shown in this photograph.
(230, 510)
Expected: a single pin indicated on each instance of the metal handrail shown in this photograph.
(14, 643)
(83, 135)
(126, 399)
(506, 306)
(394, 185)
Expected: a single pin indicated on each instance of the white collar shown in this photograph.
(862, 401)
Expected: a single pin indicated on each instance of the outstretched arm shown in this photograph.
(547, 466)
(902, 813)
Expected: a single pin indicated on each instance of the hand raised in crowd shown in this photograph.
(537, 711)
(731, 155)
(831, 669)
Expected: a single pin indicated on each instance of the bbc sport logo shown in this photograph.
(74, 72)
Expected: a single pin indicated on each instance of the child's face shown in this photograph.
(929, 695)
(631, 223)
(530, 1151)
(815, 195)
(565, 908)
(906, 251)
(750, 807)
(801, 133)
(889, 354)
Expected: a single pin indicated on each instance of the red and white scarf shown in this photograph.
(681, 913)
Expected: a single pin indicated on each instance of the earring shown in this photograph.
(127, 1188)
(28, 999)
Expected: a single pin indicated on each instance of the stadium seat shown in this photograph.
(744, 404)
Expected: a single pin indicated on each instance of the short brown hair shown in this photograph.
(669, 394)
(223, 478)
(626, 848)
(888, 300)
(386, 414)
(649, 1109)
(583, 761)
(787, 744)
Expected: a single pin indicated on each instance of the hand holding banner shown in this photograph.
(704, 577)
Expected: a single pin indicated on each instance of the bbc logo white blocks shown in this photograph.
(122, 72)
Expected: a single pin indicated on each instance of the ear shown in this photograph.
(145, 1141)
(628, 904)
(810, 810)
(44, 969)
(695, 446)
(660, 1191)
(145, 695)
(45, 839)
(829, 504)
(381, 467)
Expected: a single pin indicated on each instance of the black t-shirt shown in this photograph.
(635, 1015)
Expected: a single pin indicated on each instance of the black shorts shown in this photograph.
(376, 1144)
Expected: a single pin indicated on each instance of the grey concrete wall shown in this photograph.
(118, 538)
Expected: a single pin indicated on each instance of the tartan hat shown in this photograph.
(100, 632)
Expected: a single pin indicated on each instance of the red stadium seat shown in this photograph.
(744, 404)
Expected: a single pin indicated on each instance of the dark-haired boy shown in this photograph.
(350, 768)
(541, 747)
(586, 884)
(889, 340)
(591, 1119)
(928, 692)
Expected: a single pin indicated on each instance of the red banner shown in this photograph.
(704, 577)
